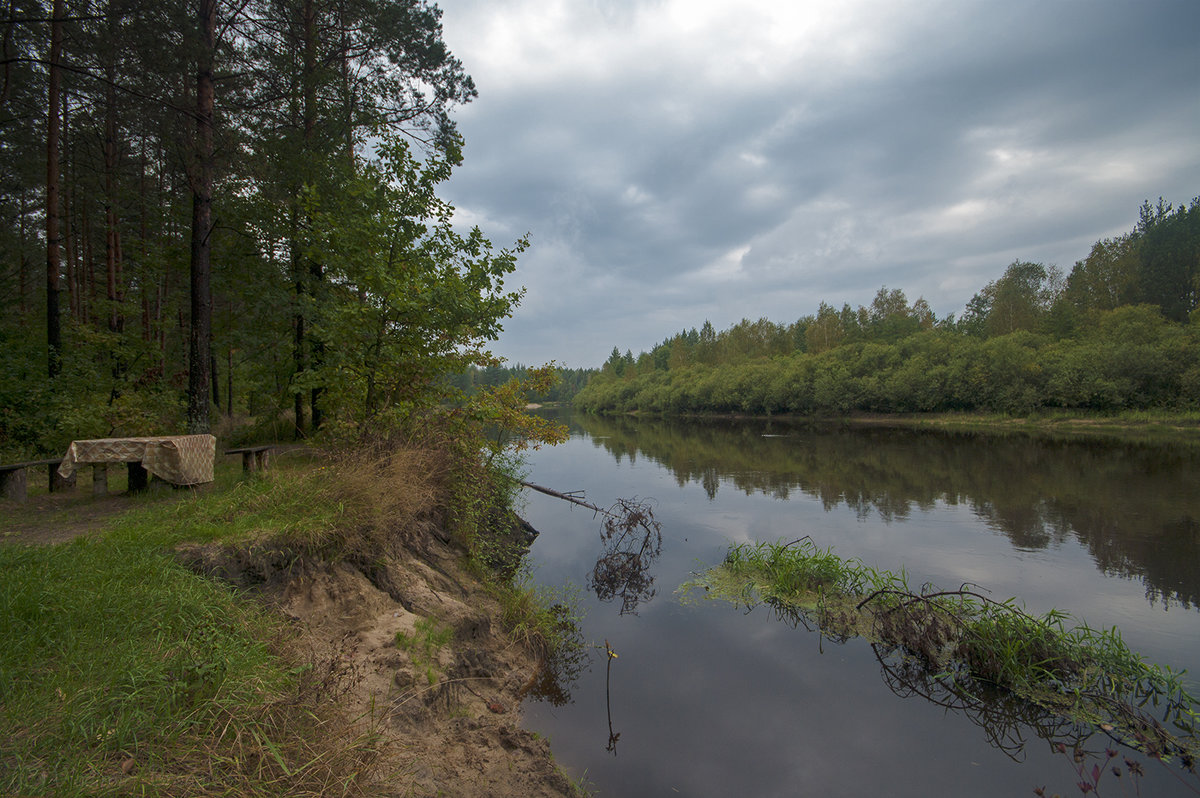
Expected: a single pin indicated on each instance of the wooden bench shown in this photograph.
(14, 481)
(254, 458)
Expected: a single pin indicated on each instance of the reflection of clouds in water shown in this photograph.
(745, 705)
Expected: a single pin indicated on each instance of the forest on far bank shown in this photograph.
(1121, 331)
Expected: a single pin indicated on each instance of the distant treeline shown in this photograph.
(569, 382)
(1120, 331)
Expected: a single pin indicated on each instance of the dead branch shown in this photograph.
(565, 497)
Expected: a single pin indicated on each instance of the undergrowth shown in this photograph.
(969, 642)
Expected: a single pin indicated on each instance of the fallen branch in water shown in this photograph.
(622, 517)
(569, 497)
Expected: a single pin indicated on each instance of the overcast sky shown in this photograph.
(683, 160)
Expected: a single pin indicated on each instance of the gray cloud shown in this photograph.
(682, 161)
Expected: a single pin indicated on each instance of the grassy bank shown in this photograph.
(1130, 424)
(121, 671)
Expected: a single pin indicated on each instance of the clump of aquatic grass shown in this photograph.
(124, 673)
(971, 642)
(799, 569)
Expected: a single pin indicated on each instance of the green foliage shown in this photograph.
(568, 381)
(1128, 358)
(1107, 278)
(428, 638)
(337, 278)
(100, 392)
(1029, 342)
(1169, 273)
(410, 301)
(423, 644)
(545, 619)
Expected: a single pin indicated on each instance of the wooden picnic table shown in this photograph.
(178, 459)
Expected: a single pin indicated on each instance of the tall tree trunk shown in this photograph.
(89, 265)
(112, 233)
(316, 270)
(214, 376)
(24, 265)
(200, 338)
(5, 52)
(161, 294)
(298, 355)
(53, 326)
(147, 285)
(68, 241)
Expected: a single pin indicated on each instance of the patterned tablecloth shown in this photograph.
(178, 459)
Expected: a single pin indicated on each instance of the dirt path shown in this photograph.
(59, 517)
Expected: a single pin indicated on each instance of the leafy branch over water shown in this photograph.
(968, 642)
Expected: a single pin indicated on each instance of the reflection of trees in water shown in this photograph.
(1134, 506)
(1009, 723)
(632, 540)
(1006, 719)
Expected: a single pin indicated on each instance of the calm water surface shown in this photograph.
(707, 700)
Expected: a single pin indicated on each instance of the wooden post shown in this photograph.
(59, 482)
(13, 484)
(99, 479)
(138, 477)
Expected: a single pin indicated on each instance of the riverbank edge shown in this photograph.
(1138, 425)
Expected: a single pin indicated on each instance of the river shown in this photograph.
(705, 699)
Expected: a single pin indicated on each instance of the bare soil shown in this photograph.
(452, 713)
